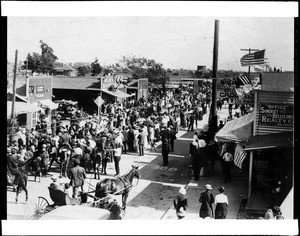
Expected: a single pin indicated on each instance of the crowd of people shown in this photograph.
(123, 127)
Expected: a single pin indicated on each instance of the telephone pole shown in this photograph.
(213, 118)
(14, 87)
(13, 98)
(249, 50)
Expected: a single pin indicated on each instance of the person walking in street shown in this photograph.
(141, 142)
(206, 199)
(130, 139)
(221, 202)
(77, 175)
(180, 203)
(165, 139)
(172, 138)
(228, 158)
(152, 137)
(191, 122)
(117, 157)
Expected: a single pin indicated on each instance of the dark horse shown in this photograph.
(119, 185)
(17, 174)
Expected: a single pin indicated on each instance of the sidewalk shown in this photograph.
(235, 191)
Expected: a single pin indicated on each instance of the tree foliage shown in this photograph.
(41, 63)
(146, 68)
(82, 70)
(95, 68)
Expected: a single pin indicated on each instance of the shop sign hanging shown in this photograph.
(276, 115)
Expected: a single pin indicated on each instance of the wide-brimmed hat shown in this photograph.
(221, 189)
(207, 186)
(182, 191)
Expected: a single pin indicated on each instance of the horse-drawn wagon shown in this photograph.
(103, 205)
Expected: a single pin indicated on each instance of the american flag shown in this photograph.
(256, 58)
(239, 156)
(242, 80)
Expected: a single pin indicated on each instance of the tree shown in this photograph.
(95, 68)
(43, 63)
(47, 58)
(82, 70)
(146, 68)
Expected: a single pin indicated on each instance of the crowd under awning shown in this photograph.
(49, 103)
(270, 141)
(117, 93)
(237, 130)
(21, 107)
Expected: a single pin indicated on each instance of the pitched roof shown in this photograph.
(77, 83)
(278, 81)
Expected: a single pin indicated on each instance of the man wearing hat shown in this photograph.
(180, 203)
(172, 137)
(77, 175)
(55, 183)
(165, 139)
(207, 199)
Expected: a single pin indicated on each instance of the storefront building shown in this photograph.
(270, 149)
(85, 90)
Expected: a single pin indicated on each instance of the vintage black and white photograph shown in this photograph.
(150, 118)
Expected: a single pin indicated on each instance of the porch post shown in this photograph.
(250, 174)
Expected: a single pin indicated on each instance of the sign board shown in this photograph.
(276, 115)
(99, 101)
(107, 81)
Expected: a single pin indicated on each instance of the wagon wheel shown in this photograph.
(35, 209)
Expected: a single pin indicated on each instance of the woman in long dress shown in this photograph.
(221, 202)
(207, 199)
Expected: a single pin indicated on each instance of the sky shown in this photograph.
(175, 41)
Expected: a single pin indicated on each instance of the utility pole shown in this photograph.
(213, 118)
(14, 87)
(249, 50)
(14, 95)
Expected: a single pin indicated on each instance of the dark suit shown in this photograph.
(141, 141)
(172, 138)
(165, 139)
(77, 175)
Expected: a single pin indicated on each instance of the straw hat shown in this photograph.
(182, 191)
(207, 187)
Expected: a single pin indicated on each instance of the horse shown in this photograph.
(117, 186)
(18, 175)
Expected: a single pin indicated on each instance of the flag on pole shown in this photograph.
(256, 58)
(239, 156)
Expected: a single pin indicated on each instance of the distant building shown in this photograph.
(65, 71)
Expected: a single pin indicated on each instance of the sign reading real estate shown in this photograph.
(276, 115)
